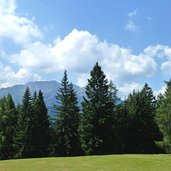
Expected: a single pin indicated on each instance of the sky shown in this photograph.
(130, 40)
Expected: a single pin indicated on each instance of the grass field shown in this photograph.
(91, 163)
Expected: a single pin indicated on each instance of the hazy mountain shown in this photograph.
(49, 89)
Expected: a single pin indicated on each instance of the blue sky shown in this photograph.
(130, 40)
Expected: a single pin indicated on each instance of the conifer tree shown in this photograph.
(41, 126)
(113, 93)
(164, 117)
(151, 131)
(143, 131)
(97, 120)
(8, 125)
(123, 123)
(25, 121)
(67, 121)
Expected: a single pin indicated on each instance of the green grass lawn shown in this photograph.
(91, 163)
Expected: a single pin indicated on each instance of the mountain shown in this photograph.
(49, 89)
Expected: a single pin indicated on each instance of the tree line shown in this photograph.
(101, 125)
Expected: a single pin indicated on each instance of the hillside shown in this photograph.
(89, 163)
(49, 89)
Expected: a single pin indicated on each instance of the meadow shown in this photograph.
(132, 162)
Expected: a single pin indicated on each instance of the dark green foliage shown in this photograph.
(142, 129)
(122, 127)
(164, 117)
(34, 127)
(113, 93)
(105, 125)
(8, 124)
(25, 128)
(67, 121)
(40, 126)
(97, 120)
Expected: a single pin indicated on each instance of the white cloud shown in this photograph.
(7, 6)
(131, 25)
(132, 13)
(156, 51)
(79, 51)
(8, 77)
(82, 79)
(20, 29)
(162, 52)
(35, 56)
(166, 67)
(76, 52)
(162, 91)
(127, 88)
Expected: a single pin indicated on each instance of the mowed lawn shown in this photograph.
(91, 163)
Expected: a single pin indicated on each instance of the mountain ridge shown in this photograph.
(49, 89)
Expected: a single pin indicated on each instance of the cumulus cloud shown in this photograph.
(82, 79)
(76, 52)
(20, 29)
(166, 67)
(161, 91)
(35, 56)
(131, 25)
(162, 52)
(127, 88)
(156, 51)
(8, 77)
(79, 51)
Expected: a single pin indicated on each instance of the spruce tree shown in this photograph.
(164, 117)
(143, 131)
(24, 137)
(8, 125)
(67, 121)
(123, 123)
(151, 132)
(74, 122)
(97, 119)
(41, 127)
(113, 93)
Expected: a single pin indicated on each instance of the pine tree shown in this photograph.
(8, 124)
(74, 122)
(3, 119)
(123, 122)
(41, 127)
(97, 121)
(67, 121)
(164, 117)
(143, 129)
(113, 93)
(150, 130)
(24, 137)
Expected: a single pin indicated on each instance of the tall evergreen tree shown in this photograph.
(113, 93)
(119, 119)
(97, 120)
(8, 125)
(143, 130)
(164, 117)
(25, 121)
(67, 121)
(123, 123)
(41, 127)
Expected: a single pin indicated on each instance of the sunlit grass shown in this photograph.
(91, 163)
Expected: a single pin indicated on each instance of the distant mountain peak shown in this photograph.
(49, 89)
